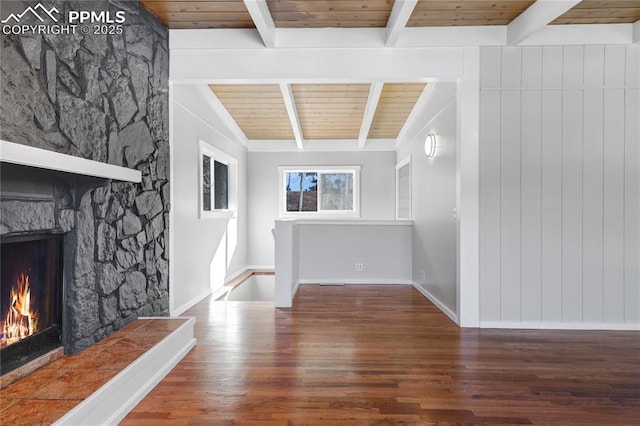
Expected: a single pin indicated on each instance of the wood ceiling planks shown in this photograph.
(396, 103)
(258, 109)
(330, 14)
(601, 12)
(434, 13)
(330, 111)
(177, 14)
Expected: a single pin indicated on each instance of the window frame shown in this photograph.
(206, 149)
(324, 214)
(400, 165)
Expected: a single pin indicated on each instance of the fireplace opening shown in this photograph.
(30, 298)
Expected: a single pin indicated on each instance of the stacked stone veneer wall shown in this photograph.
(105, 98)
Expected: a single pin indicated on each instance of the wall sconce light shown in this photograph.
(430, 145)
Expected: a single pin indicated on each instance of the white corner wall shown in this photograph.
(195, 242)
(377, 191)
(433, 198)
(560, 187)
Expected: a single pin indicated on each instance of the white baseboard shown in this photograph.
(448, 312)
(113, 401)
(186, 306)
(539, 325)
(365, 281)
(295, 290)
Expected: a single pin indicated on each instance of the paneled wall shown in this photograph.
(560, 186)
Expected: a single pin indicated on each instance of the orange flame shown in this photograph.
(21, 321)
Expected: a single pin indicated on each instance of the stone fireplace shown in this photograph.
(103, 98)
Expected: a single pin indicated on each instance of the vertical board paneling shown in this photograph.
(560, 184)
(551, 197)
(510, 205)
(592, 197)
(490, 67)
(632, 73)
(632, 206)
(552, 67)
(594, 66)
(614, 162)
(614, 65)
(511, 67)
(632, 186)
(572, 205)
(573, 67)
(532, 67)
(531, 204)
(490, 205)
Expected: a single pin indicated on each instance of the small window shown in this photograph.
(221, 179)
(217, 182)
(319, 191)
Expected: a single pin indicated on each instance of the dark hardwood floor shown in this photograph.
(385, 355)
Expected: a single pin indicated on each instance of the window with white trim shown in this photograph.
(403, 189)
(218, 177)
(327, 191)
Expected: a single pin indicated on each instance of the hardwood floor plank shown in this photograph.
(385, 355)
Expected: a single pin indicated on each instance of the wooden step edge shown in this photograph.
(114, 400)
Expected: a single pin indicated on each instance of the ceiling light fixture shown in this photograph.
(430, 145)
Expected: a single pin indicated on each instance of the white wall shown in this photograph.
(195, 241)
(328, 252)
(433, 193)
(560, 186)
(377, 190)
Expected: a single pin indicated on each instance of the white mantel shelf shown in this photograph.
(44, 159)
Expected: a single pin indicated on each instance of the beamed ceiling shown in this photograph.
(359, 111)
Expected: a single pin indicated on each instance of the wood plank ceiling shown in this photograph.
(325, 111)
(601, 12)
(395, 105)
(330, 111)
(446, 13)
(330, 14)
(177, 14)
(258, 109)
(341, 111)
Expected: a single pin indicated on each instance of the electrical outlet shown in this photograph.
(359, 267)
(422, 275)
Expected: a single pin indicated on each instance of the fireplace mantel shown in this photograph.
(35, 157)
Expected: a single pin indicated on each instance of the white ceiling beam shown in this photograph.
(400, 14)
(222, 113)
(535, 18)
(261, 15)
(290, 103)
(462, 36)
(636, 32)
(321, 145)
(412, 37)
(339, 65)
(375, 90)
(584, 34)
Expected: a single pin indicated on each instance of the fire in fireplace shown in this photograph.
(30, 298)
